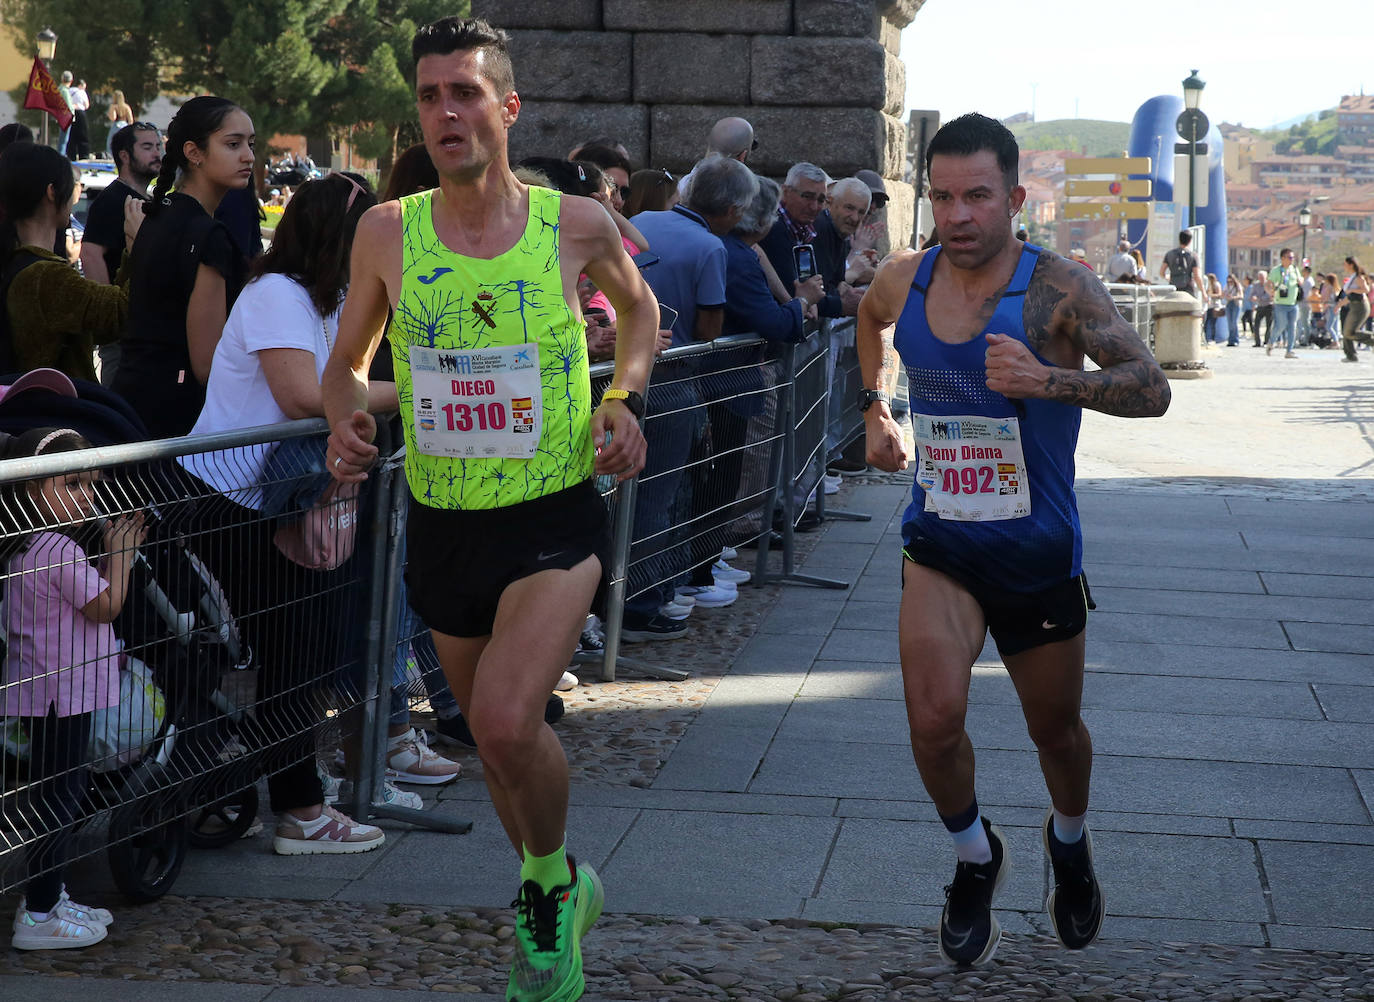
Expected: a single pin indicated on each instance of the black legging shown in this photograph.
(298, 623)
(1352, 319)
(56, 777)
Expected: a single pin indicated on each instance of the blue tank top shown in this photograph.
(1037, 550)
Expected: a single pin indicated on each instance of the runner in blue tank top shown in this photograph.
(993, 333)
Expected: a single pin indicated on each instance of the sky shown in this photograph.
(1101, 59)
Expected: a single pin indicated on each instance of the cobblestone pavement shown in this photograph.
(248, 942)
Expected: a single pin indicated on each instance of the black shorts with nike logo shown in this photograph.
(458, 563)
(1018, 621)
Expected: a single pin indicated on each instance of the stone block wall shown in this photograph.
(819, 80)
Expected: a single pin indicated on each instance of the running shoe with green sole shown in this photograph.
(549, 927)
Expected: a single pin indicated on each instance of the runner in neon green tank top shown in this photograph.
(507, 537)
(449, 301)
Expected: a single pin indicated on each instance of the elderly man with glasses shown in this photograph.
(803, 198)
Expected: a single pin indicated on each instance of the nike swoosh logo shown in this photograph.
(434, 276)
(1047, 625)
(957, 941)
(548, 556)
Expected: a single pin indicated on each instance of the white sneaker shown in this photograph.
(722, 571)
(59, 931)
(82, 913)
(680, 597)
(729, 553)
(415, 762)
(331, 784)
(831, 485)
(566, 683)
(675, 610)
(391, 796)
(712, 596)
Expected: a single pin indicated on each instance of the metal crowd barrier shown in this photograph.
(232, 659)
(238, 665)
(846, 422)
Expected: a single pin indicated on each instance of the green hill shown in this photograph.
(1094, 138)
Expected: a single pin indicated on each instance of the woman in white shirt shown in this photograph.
(266, 369)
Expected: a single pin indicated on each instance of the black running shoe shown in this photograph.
(969, 932)
(1075, 905)
(455, 730)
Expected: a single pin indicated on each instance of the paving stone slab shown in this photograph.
(845, 680)
(1173, 658)
(911, 862)
(1181, 604)
(1292, 539)
(777, 653)
(1364, 782)
(480, 869)
(713, 757)
(1211, 631)
(1175, 877)
(761, 865)
(1318, 585)
(1318, 886)
(836, 553)
(1030, 817)
(1144, 551)
(1110, 507)
(1289, 937)
(1164, 578)
(862, 646)
(1336, 638)
(1124, 690)
(1157, 930)
(720, 801)
(1346, 702)
(906, 916)
(1304, 831)
(811, 622)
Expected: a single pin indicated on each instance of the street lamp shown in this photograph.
(47, 45)
(47, 48)
(1304, 220)
(1190, 124)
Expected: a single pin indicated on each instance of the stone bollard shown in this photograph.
(1178, 336)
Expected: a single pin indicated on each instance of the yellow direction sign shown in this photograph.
(1107, 165)
(1125, 188)
(1107, 210)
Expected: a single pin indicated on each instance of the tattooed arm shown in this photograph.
(1069, 314)
(878, 361)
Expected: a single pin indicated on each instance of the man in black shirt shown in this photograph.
(137, 151)
(848, 206)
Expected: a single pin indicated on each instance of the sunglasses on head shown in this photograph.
(352, 195)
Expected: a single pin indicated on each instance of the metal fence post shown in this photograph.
(388, 528)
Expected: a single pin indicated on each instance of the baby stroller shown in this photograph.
(171, 770)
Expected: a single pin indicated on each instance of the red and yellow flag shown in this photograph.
(43, 95)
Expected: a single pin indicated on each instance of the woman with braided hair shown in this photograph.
(185, 270)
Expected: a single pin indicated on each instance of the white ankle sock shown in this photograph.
(971, 845)
(1068, 830)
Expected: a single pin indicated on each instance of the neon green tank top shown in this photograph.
(453, 302)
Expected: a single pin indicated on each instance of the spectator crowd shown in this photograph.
(174, 313)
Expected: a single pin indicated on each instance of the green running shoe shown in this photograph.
(549, 927)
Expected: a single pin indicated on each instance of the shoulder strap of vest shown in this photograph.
(1025, 268)
(921, 280)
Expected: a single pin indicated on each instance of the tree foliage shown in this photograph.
(340, 67)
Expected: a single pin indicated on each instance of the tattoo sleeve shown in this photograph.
(1065, 299)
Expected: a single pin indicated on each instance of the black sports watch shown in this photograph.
(867, 398)
(632, 400)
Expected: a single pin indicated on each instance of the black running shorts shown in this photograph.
(1018, 621)
(458, 563)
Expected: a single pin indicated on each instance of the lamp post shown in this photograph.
(1304, 220)
(47, 48)
(1190, 124)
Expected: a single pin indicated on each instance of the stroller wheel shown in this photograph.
(147, 837)
(224, 821)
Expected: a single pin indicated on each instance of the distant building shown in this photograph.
(1355, 120)
(1279, 170)
(1255, 246)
